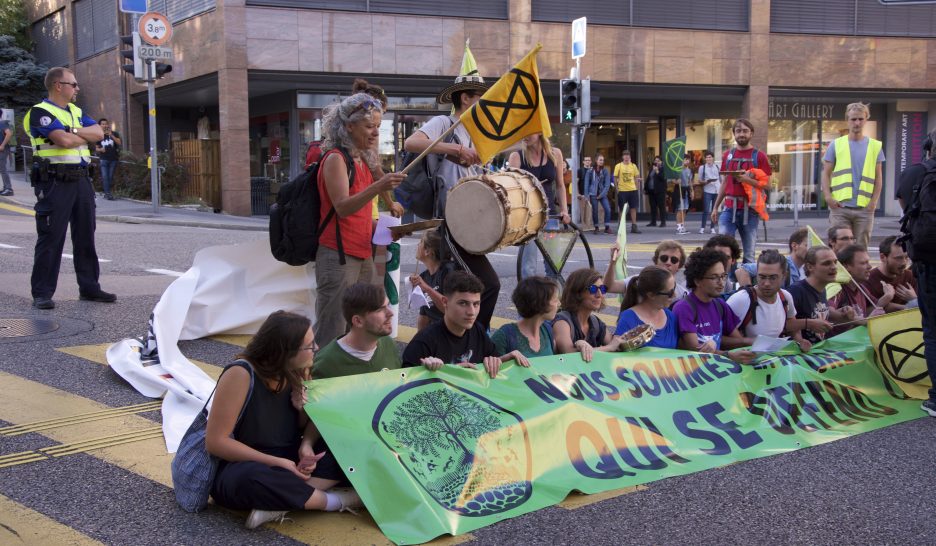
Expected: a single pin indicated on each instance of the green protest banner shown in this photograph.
(452, 451)
(673, 153)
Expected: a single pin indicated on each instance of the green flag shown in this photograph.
(674, 151)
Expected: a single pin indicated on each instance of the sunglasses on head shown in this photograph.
(595, 288)
(369, 105)
(663, 258)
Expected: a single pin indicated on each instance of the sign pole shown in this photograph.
(576, 159)
(154, 165)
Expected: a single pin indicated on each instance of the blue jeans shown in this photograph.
(732, 220)
(107, 174)
(4, 158)
(708, 201)
(926, 298)
(532, 253)
(605, 204)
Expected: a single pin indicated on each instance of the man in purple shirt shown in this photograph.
(706, 324)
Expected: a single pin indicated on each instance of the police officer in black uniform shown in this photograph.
(60, 134)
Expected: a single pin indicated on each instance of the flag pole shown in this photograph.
(429, 147)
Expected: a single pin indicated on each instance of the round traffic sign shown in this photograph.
(155, 28)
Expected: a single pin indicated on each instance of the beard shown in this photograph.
(742, 140)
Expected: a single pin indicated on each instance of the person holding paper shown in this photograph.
(766, 309)
(430, 281)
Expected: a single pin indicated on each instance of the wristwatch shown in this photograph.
(75, 130)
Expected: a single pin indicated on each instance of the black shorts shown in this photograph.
(632, 198)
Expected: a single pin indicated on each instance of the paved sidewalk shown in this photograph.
(139, 212)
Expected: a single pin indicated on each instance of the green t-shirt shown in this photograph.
(333, 361)
(500, 338)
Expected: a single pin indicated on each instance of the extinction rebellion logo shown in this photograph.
(901, 355)
(471, 455)
(522, 101)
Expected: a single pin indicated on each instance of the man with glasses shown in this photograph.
(852, 175)
(60, 135)
(767, 309)
(894, 270)
(706, 323)
(814, 316)
(840, 237)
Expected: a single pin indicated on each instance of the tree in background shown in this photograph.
(13, 22)
(21, 79)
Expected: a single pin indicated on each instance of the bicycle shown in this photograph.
(548, 241)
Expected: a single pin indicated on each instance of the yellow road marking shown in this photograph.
(240, 340)
(576, 500)
(16, 430)
(96, 353)
(20, 210)
(22, 525)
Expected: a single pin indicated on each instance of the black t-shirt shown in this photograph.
(111, 148)
(810, 304)
(436, 340)
(435, 280)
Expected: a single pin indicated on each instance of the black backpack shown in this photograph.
(918, 223)
(422, 191)
(751, 316)
(294, 218)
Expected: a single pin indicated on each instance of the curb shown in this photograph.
(181, 223)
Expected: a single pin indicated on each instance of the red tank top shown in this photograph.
(356, 228)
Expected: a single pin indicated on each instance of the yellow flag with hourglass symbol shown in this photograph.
(511, 109)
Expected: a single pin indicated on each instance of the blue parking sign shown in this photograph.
(133, 6)
(578, 38)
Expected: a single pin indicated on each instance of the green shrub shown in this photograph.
(132, 178)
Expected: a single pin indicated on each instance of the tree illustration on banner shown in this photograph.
(467, 452)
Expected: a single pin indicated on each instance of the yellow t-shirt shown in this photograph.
(626, 176)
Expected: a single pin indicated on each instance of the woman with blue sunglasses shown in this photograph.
(577, 328)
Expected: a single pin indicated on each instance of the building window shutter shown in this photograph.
(51, 44)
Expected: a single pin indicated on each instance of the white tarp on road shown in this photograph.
(228, 290)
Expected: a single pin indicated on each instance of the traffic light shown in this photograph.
(570, 100)
(156, 70)
(587, 100)
(132, 61)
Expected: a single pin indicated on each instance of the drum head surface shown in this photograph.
(475, 216)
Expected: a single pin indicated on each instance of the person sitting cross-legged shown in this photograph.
(261, 465)
(458, 338)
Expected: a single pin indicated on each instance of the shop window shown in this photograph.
(269, 147)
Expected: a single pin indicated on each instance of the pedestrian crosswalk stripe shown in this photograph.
(16, 430)
(14, 208)
(22, 525)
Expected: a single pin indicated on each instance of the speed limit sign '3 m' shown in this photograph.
(155, 28)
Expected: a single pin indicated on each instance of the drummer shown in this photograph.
(577, 328)
(459, 157)
(646, 301)
(544, 161)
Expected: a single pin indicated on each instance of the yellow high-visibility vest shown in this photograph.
(842, 183)
(45, 148)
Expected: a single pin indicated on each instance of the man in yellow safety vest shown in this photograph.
(851, 176)
(60, 133)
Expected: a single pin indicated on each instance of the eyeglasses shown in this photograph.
(664, 258)
(369, 104)
(667, 294)
(73, 84)
(768, 278)
(314, 348)
(595, 288)
(723, 277)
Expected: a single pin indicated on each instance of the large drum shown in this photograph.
(495, 210)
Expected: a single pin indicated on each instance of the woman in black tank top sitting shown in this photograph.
(544, 161)
(261, 468)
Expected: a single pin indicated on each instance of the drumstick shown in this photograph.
(429, 147)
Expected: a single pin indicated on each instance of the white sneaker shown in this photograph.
(259, 517)
(702, 230)
(681, 230)
(713, 231)
(350, 500)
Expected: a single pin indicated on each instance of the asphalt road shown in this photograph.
(872, 488)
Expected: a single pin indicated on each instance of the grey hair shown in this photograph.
(335, 118)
